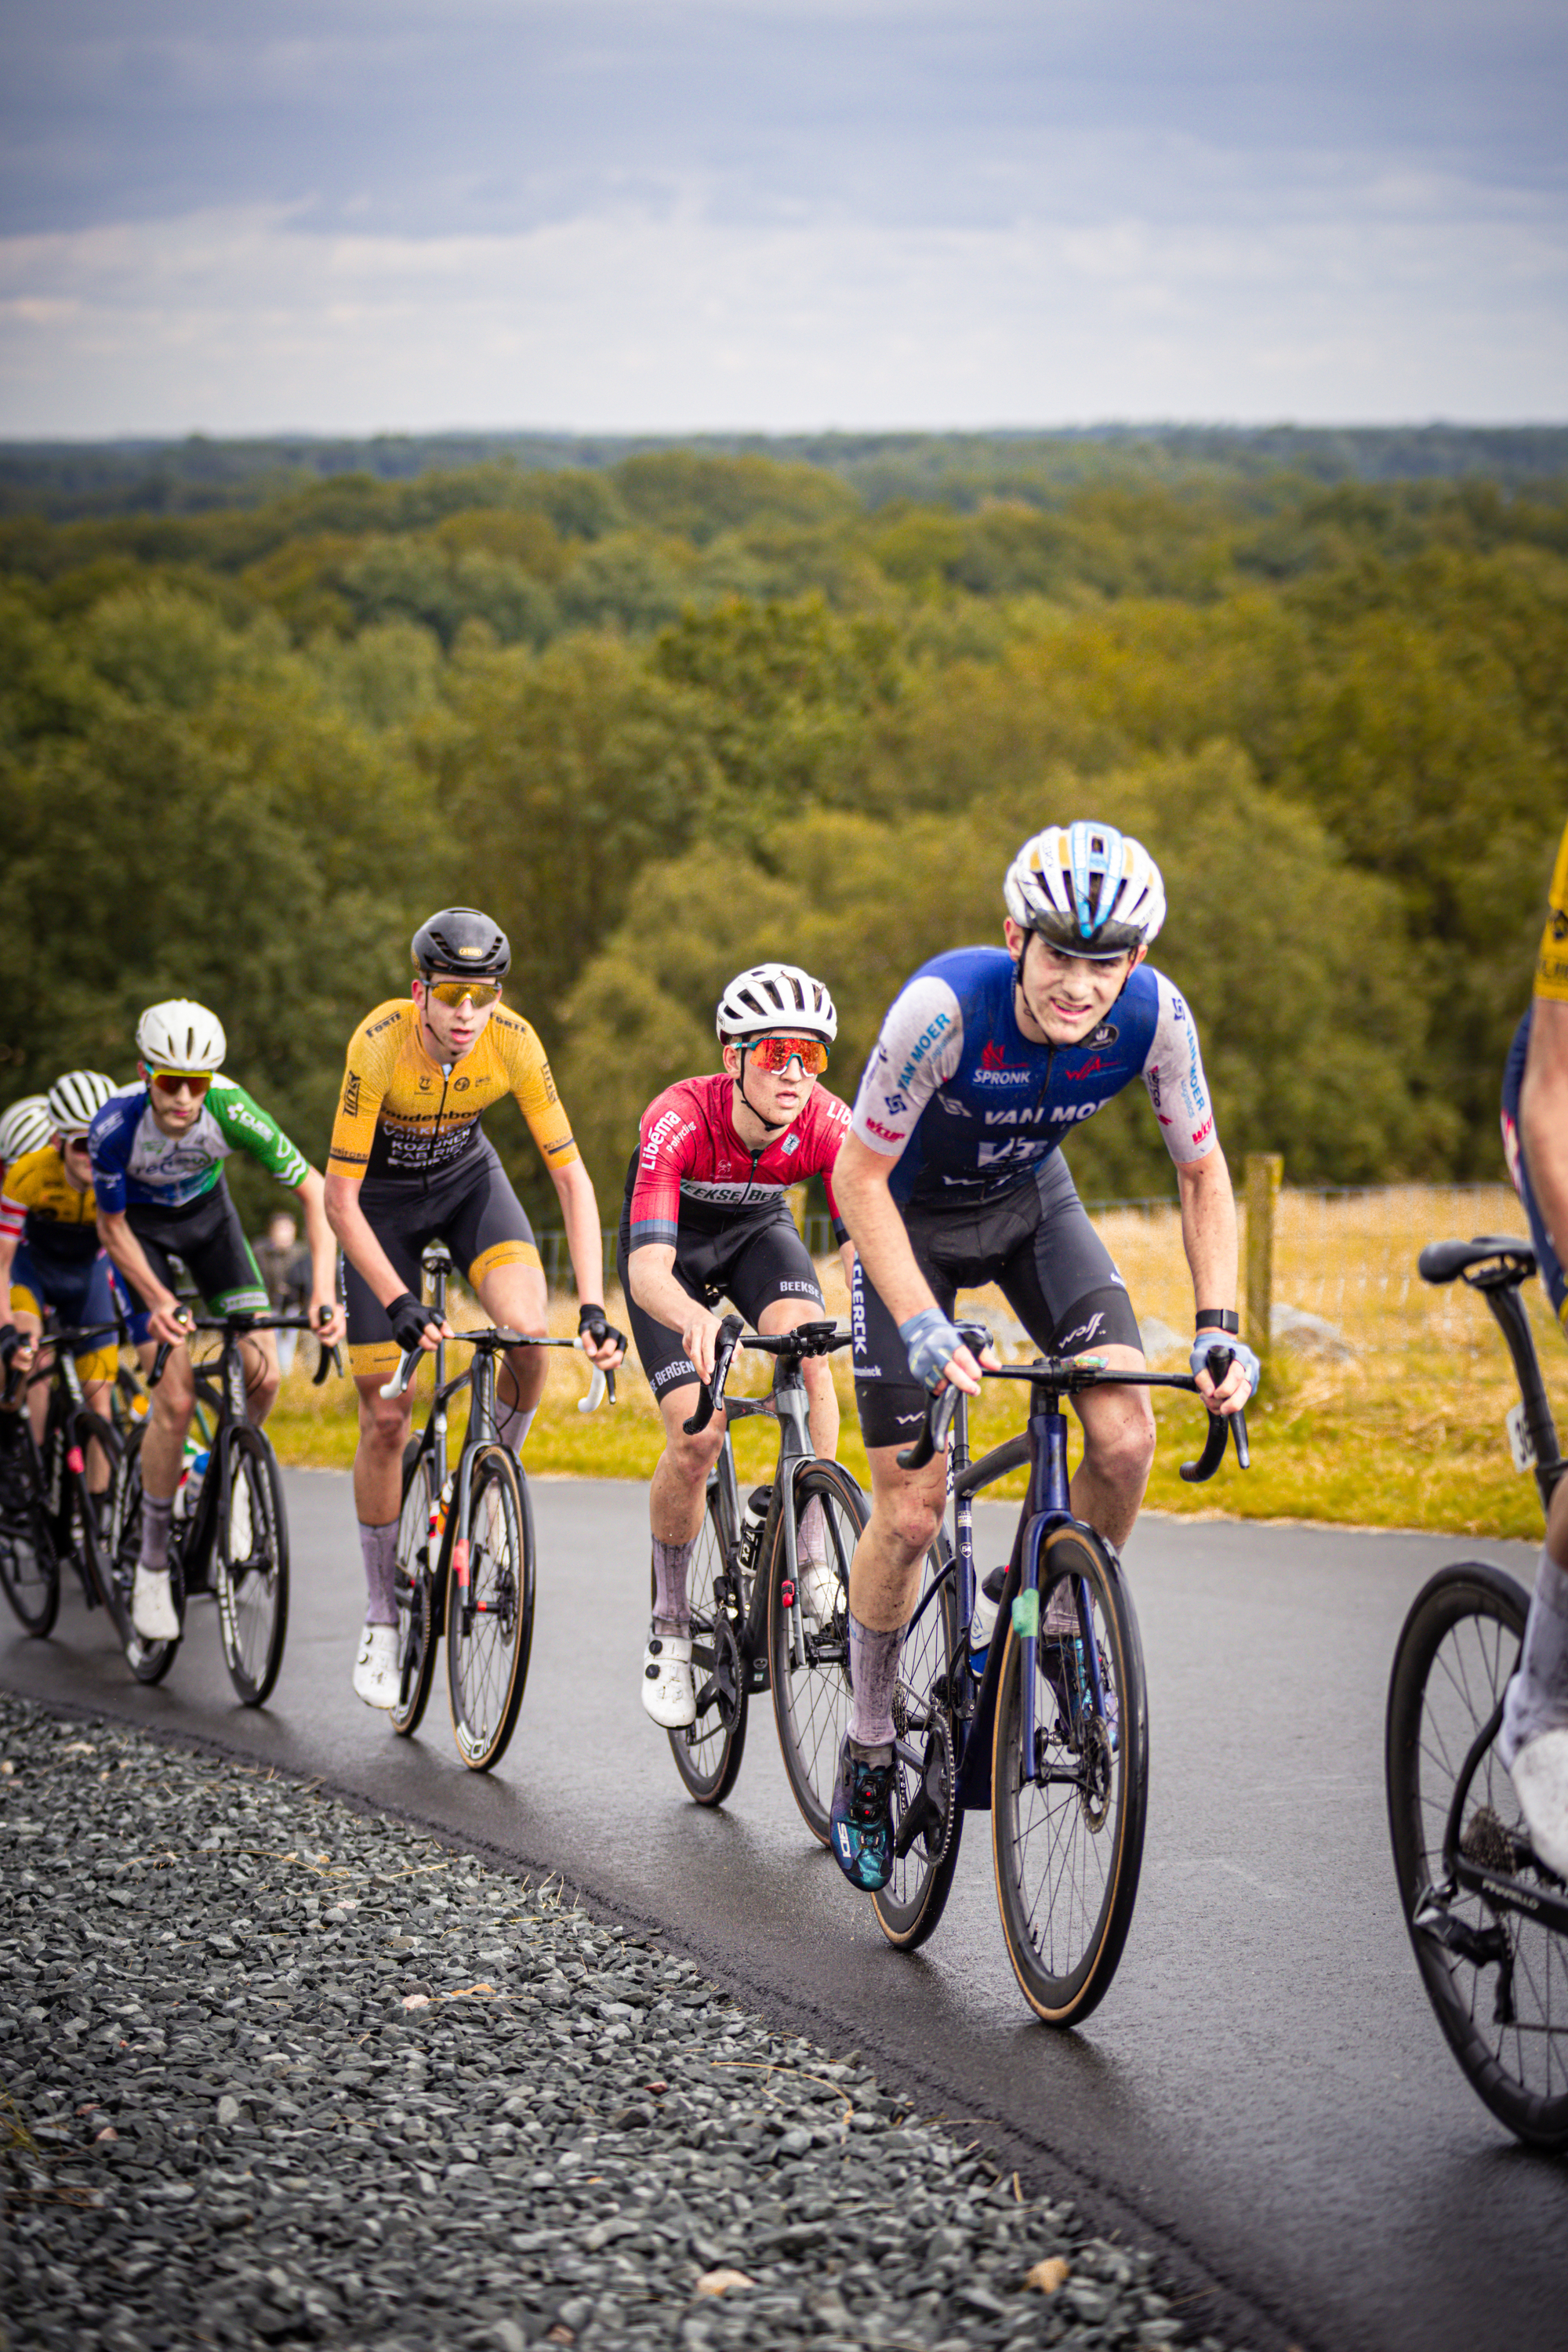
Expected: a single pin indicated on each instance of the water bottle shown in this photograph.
(438, 1510)
(983, 1625)
(751, 1524)
(193, 1476)
(190, 1484)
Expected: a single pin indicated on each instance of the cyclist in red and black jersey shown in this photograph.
(705, 1218)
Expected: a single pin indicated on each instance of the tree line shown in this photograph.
(667, 717)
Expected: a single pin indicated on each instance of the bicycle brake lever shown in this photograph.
(940, 1410)
(1238, 1431)
(159, 1364)
(403, 1374)
(730, 1331)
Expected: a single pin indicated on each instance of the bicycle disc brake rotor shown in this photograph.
(1099, 1760)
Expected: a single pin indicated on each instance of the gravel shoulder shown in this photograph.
(277, 2072)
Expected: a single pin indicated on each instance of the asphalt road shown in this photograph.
(1264, 2090)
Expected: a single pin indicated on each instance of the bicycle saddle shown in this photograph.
(1445, 1261)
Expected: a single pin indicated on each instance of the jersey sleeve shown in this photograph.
(664, 1136)
(108, 1142)
(1552, 966)
(1174, 1074)
(528, 1072)
(367, 1073)
(920, 1045)
(245, 1127)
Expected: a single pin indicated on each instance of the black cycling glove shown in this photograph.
(408, 1319)
(592, 1324)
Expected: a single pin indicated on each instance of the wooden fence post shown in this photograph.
(1264, 1172)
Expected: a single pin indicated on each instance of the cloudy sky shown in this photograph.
(675, 215)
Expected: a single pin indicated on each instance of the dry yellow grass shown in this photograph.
(1405, 1431)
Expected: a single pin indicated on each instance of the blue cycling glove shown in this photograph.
(1237, 1349)
(931, 1342)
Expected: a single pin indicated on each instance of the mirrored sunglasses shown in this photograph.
(774, 1055)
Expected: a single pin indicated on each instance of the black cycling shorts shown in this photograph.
(751, 1263)
(472, 1209)
(207, 1236)
(1037, 1244)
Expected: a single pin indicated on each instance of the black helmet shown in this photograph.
(460, 938)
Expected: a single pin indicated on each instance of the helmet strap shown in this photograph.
(773, 1126)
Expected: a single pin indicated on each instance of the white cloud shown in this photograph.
(1398, 299)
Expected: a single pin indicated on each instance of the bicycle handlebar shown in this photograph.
(1067, 1373)
(603, 1383)
(241, 1324)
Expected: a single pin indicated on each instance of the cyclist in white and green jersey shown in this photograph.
(158, 1148)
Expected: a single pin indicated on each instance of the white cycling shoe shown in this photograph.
(669, 1685)
(1541, 1784)
(375, 1676)
(152, 1610)
(816, 1579)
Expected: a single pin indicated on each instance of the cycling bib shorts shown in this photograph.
(82, 1292)
(207, 1236)
(472, 1209)
(752, 1262)
(1037, 1244)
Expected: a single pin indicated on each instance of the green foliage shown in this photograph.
(664, 711)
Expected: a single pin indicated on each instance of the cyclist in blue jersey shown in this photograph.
(951, 1177)
(158, 1148)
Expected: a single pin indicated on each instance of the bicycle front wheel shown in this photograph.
(417, 1622)
(490, 1608)
(926, 1821)
(808, 1640)
(1066, 1823)
(708, 1752)
(252, 1565)
(29, 1564)
(1497, 1979)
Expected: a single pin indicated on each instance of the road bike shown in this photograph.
(778, 1574)
(230, 1533)
(465, 1544)
(1487, 1920)
(1042, 1720)
(49, 1512)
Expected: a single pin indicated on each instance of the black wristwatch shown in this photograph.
(1216, 1319)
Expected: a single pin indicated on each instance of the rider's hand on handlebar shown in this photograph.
(171, 1325)
(1239, 1382)
(601, 1343)
(701, 1339)
(938, 1355)
(414, 1326)
(327, 1321)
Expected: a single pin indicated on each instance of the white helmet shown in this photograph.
(76, 1099)
(1090, 890)
(26, 1127)
(775, 996)
(180, 1035)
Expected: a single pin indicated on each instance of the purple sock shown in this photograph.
(378, 1547)
(873, 1676)
(157, 1510)
(671, 1609)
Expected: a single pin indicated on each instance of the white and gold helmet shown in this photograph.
(1086, 889)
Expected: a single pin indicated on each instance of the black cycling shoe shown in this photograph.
(862, 1818)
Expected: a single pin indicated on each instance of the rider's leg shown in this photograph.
(514, 1297)
(1108, 1485)
(152, 1610)
(259, 1352)
(677, 1500)
(29, 1326)
(384, 1428)
(1533, 1741)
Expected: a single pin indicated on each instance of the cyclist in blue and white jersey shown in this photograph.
(951, 1177)
(158, 1148)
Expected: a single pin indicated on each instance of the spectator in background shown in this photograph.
(284, 1264)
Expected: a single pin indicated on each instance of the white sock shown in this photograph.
(512, 1424)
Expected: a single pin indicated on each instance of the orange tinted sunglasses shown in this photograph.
(169, 1082)
(774, 1055)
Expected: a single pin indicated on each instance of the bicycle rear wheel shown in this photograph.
(808, 1662)
(490, 1607)
(251, 1565)
(148, 1660)
(87, 1531)
(1066, 1823)
(1497, 1981)
(708, 1752)
(29, 1564)
(418, 1621)
(913, 1900)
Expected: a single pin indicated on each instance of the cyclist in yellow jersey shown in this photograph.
(1533, 1741)
(410, 1165)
